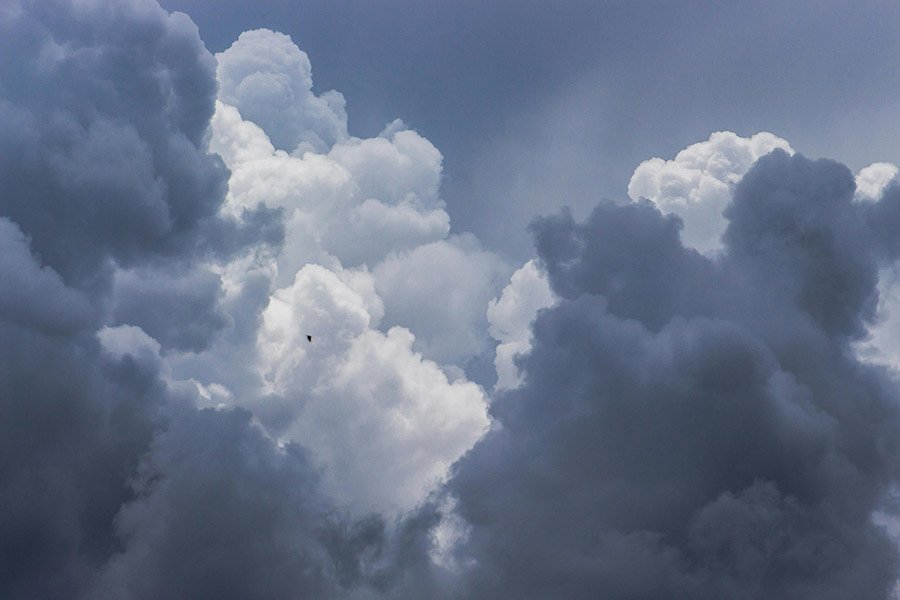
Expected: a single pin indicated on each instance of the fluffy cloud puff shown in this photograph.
(697, 184)
(356, 203)
(871, 181)
(370, 203)
(511, 315)
(385, 423)
(353, 199)
(269, 80)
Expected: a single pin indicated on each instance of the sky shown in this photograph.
(393, 300)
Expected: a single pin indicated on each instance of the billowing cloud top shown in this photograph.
(269, 79)
(696, 185)
(244, 356)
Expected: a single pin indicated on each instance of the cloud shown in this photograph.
(697, 184)
(265, 76)
(356, 203)
(221, 511)
(440, 291)
(363, 222)
(667, 422)
(112, 164)
(75, 423)
(690, 428)
(119, 272)
(180, 311)
(871, 181)
(385, 423)
(364, 230)
(511, 315)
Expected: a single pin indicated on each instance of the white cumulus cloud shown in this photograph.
(510, 317)
(269, 79)
(385, 423)
(696, 185)
(357, 203)
(872, 180)
(368, 268)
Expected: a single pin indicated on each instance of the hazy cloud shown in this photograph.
(440, 291)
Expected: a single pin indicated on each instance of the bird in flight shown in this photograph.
(309, 338)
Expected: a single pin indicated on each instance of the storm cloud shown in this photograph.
(678, 405)
(692, 427)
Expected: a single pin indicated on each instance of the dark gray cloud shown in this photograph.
(105, 109)
(180, 312)
(224, 513)
(693, 428)
(36, 297)
(883, 219)
(73, 425)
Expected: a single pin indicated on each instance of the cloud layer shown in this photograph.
(666, 422)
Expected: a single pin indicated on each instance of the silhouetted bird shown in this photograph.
(309, 338)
